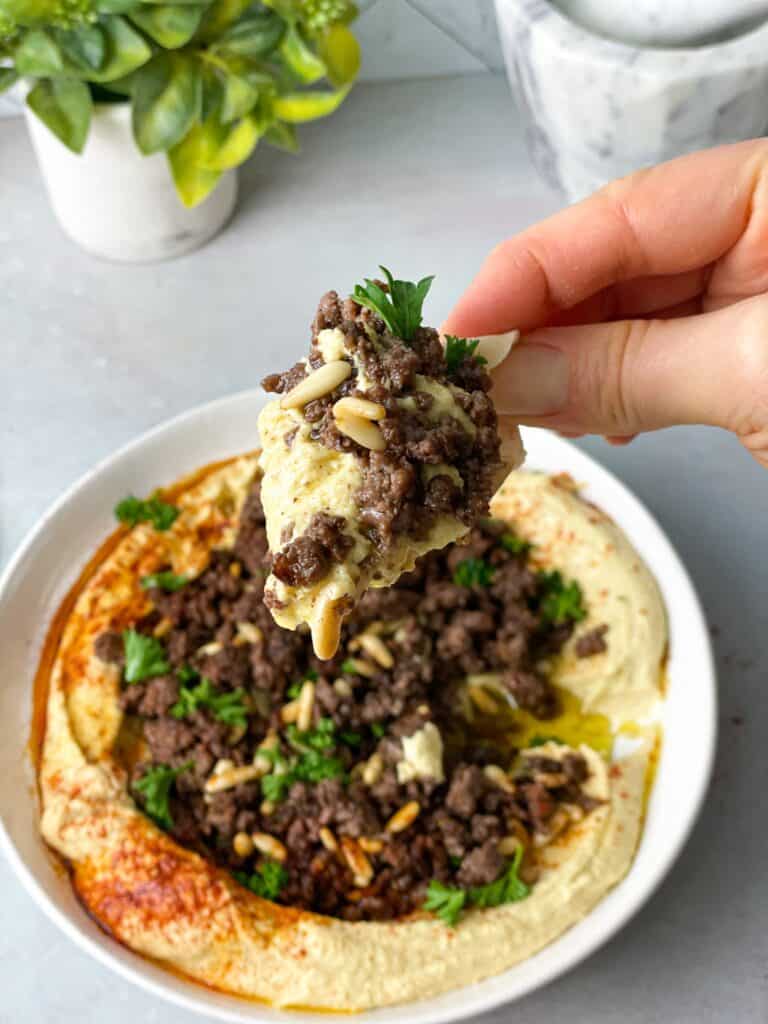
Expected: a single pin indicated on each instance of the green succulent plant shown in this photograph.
(206, 79)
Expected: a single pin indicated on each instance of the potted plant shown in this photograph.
(140, 111)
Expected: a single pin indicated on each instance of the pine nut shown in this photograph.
(552, 780)
(267, 807)
(495, 348)
(374, 766)
(358, 863)
(242, 844)
(326, 629)
(249, 633)
(362, 668)
(328, 839)
(508, 846)
(320, 382)
(574, 812)
(269, 846)
(342, 687)
(222, 780)
(361, 407)
(369, 845)
(235, 569)
(555, 826)
(482, 700)
(306, 703)
(403, 818)
(499, 778)
(289, 712)
(163, 628)
(377, 649)
(208, 649)
(518, 831)
(364, 432)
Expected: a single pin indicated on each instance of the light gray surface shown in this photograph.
(424, 177)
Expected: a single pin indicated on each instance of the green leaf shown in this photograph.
(116, 6)
(340, 52)
(126, 50)
(86, 45)
(8, 77)
(237, 145)
(37, 55)
(239, 98)
(228, 707)
(401, 308)
(155, 787)
(300, 58)
(509, 888)
(378, 729)
(514, 544)
(255, 35)
(65, 107)
(473, 572)
(220, 15)
(166, 101)
(167, 581)
(283, 136)
(170, 25)
(445, 901)
(153, 510)
(212, 94)
(297, 107)
(274, 787)
(560, 602)
(459, 349)
(194, 182)
(144, 656)
(267, 881)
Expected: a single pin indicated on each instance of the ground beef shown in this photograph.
(438, 631)
(593, 642)
(307, 558)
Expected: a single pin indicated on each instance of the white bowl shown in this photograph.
(49, 562)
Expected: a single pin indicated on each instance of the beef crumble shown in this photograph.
(325, 797)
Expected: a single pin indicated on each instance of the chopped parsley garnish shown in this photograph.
(153, 510)
(473, 572)
(514, 544)
(322, 737)
(348, 667)
(459, 349)
(155, 787)
(561, 602)
(378, 729)
(266, 881)
(447, 902)
(401, 308)
(226, 707)
(352, 739)
(294, 689)
(167, 581)
(311, 763)
(144, 656)
(187, 674)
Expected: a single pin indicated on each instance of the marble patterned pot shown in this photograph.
(596, 109)
(118, 204)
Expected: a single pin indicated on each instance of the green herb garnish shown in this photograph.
(378, 729)
(155, 787)
(226, 707)
(152, 510)
(561, 602)
(311, 763)
(167, 581)
(348, 667)
(266, 881)
(473, 572)
(447, 902)
(144, 656)
(401, 308)
(187, 674)
(352, 739)
(459, 349)
(294, 689)
(514, 544)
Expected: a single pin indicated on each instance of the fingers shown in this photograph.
(643, 296)
(622, 378)
(672, 219)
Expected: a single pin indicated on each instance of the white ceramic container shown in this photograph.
(118, 204)
(54, 554)
(596, 109)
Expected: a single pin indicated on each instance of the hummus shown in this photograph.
(172, 905)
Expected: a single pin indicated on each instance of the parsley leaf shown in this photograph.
(266, 881)
(155, 787)
(473, 572)
(322, 737)
(352, 739)
(310, 764)
(514, 544)
(154, 510)
(274, 787)
(378, 729)
(445, 901)
(401, 308)
(459, 349)
(561, 602)
(348, 667)
(167, 581)
(187, 674)
(226, 707)
(144, 656)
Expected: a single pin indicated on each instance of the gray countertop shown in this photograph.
(424, 177)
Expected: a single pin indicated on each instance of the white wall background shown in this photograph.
(414, 39)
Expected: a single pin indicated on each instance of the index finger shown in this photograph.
(677, 217)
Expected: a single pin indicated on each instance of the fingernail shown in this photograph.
(532, 381)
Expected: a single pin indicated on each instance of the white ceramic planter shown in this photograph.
(595, 109)
(121, 205)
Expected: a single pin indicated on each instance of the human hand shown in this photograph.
(644, 306)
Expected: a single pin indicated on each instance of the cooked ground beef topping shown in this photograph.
(319, 783)
(396, 496)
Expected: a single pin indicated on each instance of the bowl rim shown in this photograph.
(474, 998)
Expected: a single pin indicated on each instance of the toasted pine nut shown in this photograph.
(574, 812)
(242, 844)
(235, 569)
(306, 702)
(232, 777)
(163, 628)
(403, 818)
(499, 777)
(361, 407)
(342, 687)
(495, 348)
(377, 649)
(267, 806)
(362, 668)
(223, 765)
(320, 382)
(364, 432)
(358, 863)
(212, 648)
(555, 826)
(269, 845)
(482, 700)
(326, 629)
(508, 845)
(328, 839)
(290, 712)
(248, 633)
(373, 768)
(552, 780)
(370, 845)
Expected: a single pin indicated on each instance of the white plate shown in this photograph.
(50, 560)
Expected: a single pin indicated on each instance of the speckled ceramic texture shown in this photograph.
(596, 109)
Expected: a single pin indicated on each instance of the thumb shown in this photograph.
(630, 376)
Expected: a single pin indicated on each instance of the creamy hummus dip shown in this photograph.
(434, 804)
